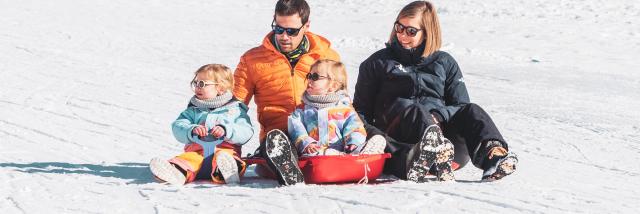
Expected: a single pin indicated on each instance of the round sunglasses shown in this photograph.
(201, 84)
(408, 30)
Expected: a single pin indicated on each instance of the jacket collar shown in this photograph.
(405, 56)
(317, 44)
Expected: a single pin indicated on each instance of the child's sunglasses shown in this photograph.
(409, 31)
(201, 83)
(277, 29)
(316, 76)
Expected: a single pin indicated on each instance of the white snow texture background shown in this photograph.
(88, 90)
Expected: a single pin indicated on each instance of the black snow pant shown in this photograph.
(468, 129)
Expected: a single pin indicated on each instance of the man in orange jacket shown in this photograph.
(275, 73)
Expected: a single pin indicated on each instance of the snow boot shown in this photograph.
(375, 145)
(282, 158)
(228, 168)
(498, 163)
(433, 152)
(167, 172)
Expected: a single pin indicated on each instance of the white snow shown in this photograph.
(88, 90)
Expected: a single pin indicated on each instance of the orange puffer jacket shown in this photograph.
(265, 73)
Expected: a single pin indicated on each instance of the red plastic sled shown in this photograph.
(334, 169)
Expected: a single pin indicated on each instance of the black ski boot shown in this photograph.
(282, 159)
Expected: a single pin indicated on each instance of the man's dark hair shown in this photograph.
(291, 7)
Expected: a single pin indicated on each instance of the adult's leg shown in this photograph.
(472, 126)
(405, 130)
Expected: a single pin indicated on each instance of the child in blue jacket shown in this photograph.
(214, 127)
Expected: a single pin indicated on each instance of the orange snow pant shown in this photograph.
(192, 160)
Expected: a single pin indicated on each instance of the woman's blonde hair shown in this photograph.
(430, 24)
(335, 70)
(218, 73)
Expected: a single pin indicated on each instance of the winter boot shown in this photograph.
(433, 151)
(165, 171)
(228, 168)
(498, 163)
(375, 145)
(282, 158)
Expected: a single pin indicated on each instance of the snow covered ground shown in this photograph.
(88, 90)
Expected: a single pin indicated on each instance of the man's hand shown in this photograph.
(218, 132)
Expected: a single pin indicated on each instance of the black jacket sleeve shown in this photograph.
(367, 87)
(455, 94)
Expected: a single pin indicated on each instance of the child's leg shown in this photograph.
(228, 166)
(190, 162)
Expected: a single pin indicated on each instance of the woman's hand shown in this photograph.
(218, 132)
(311, 148)
(436, 120)
(200, 130)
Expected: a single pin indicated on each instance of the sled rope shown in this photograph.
(365, 179)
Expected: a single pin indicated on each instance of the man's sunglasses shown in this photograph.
(408, 30)
(201, 83)
(277, 29)
(316, 76)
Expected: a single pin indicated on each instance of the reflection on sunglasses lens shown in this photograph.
(198, 84)
(290, 31)
(313, 76)
(410, 31)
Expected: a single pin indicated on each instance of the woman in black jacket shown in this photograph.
(410, 93)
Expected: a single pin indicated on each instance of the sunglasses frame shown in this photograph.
(316, 77)
(290, 31)
(201, 84)
(405, 29)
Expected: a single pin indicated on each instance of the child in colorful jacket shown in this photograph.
(214, 127)
(326, 123)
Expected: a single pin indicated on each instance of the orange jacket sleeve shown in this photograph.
(243, 87)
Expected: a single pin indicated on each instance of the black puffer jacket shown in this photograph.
(393, 78)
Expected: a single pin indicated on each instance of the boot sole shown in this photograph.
(375, 145)
(228, 168)
(435, 151)
(164, 171)
(505, 167)
(281, 157)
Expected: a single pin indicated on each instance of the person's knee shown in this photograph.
(417, 113)
(471, 108)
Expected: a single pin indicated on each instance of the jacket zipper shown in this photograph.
(293, 88)
(293, 82)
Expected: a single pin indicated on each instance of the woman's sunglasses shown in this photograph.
(316, 76)
(277, 29)
(201, 83)
(408, 30)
